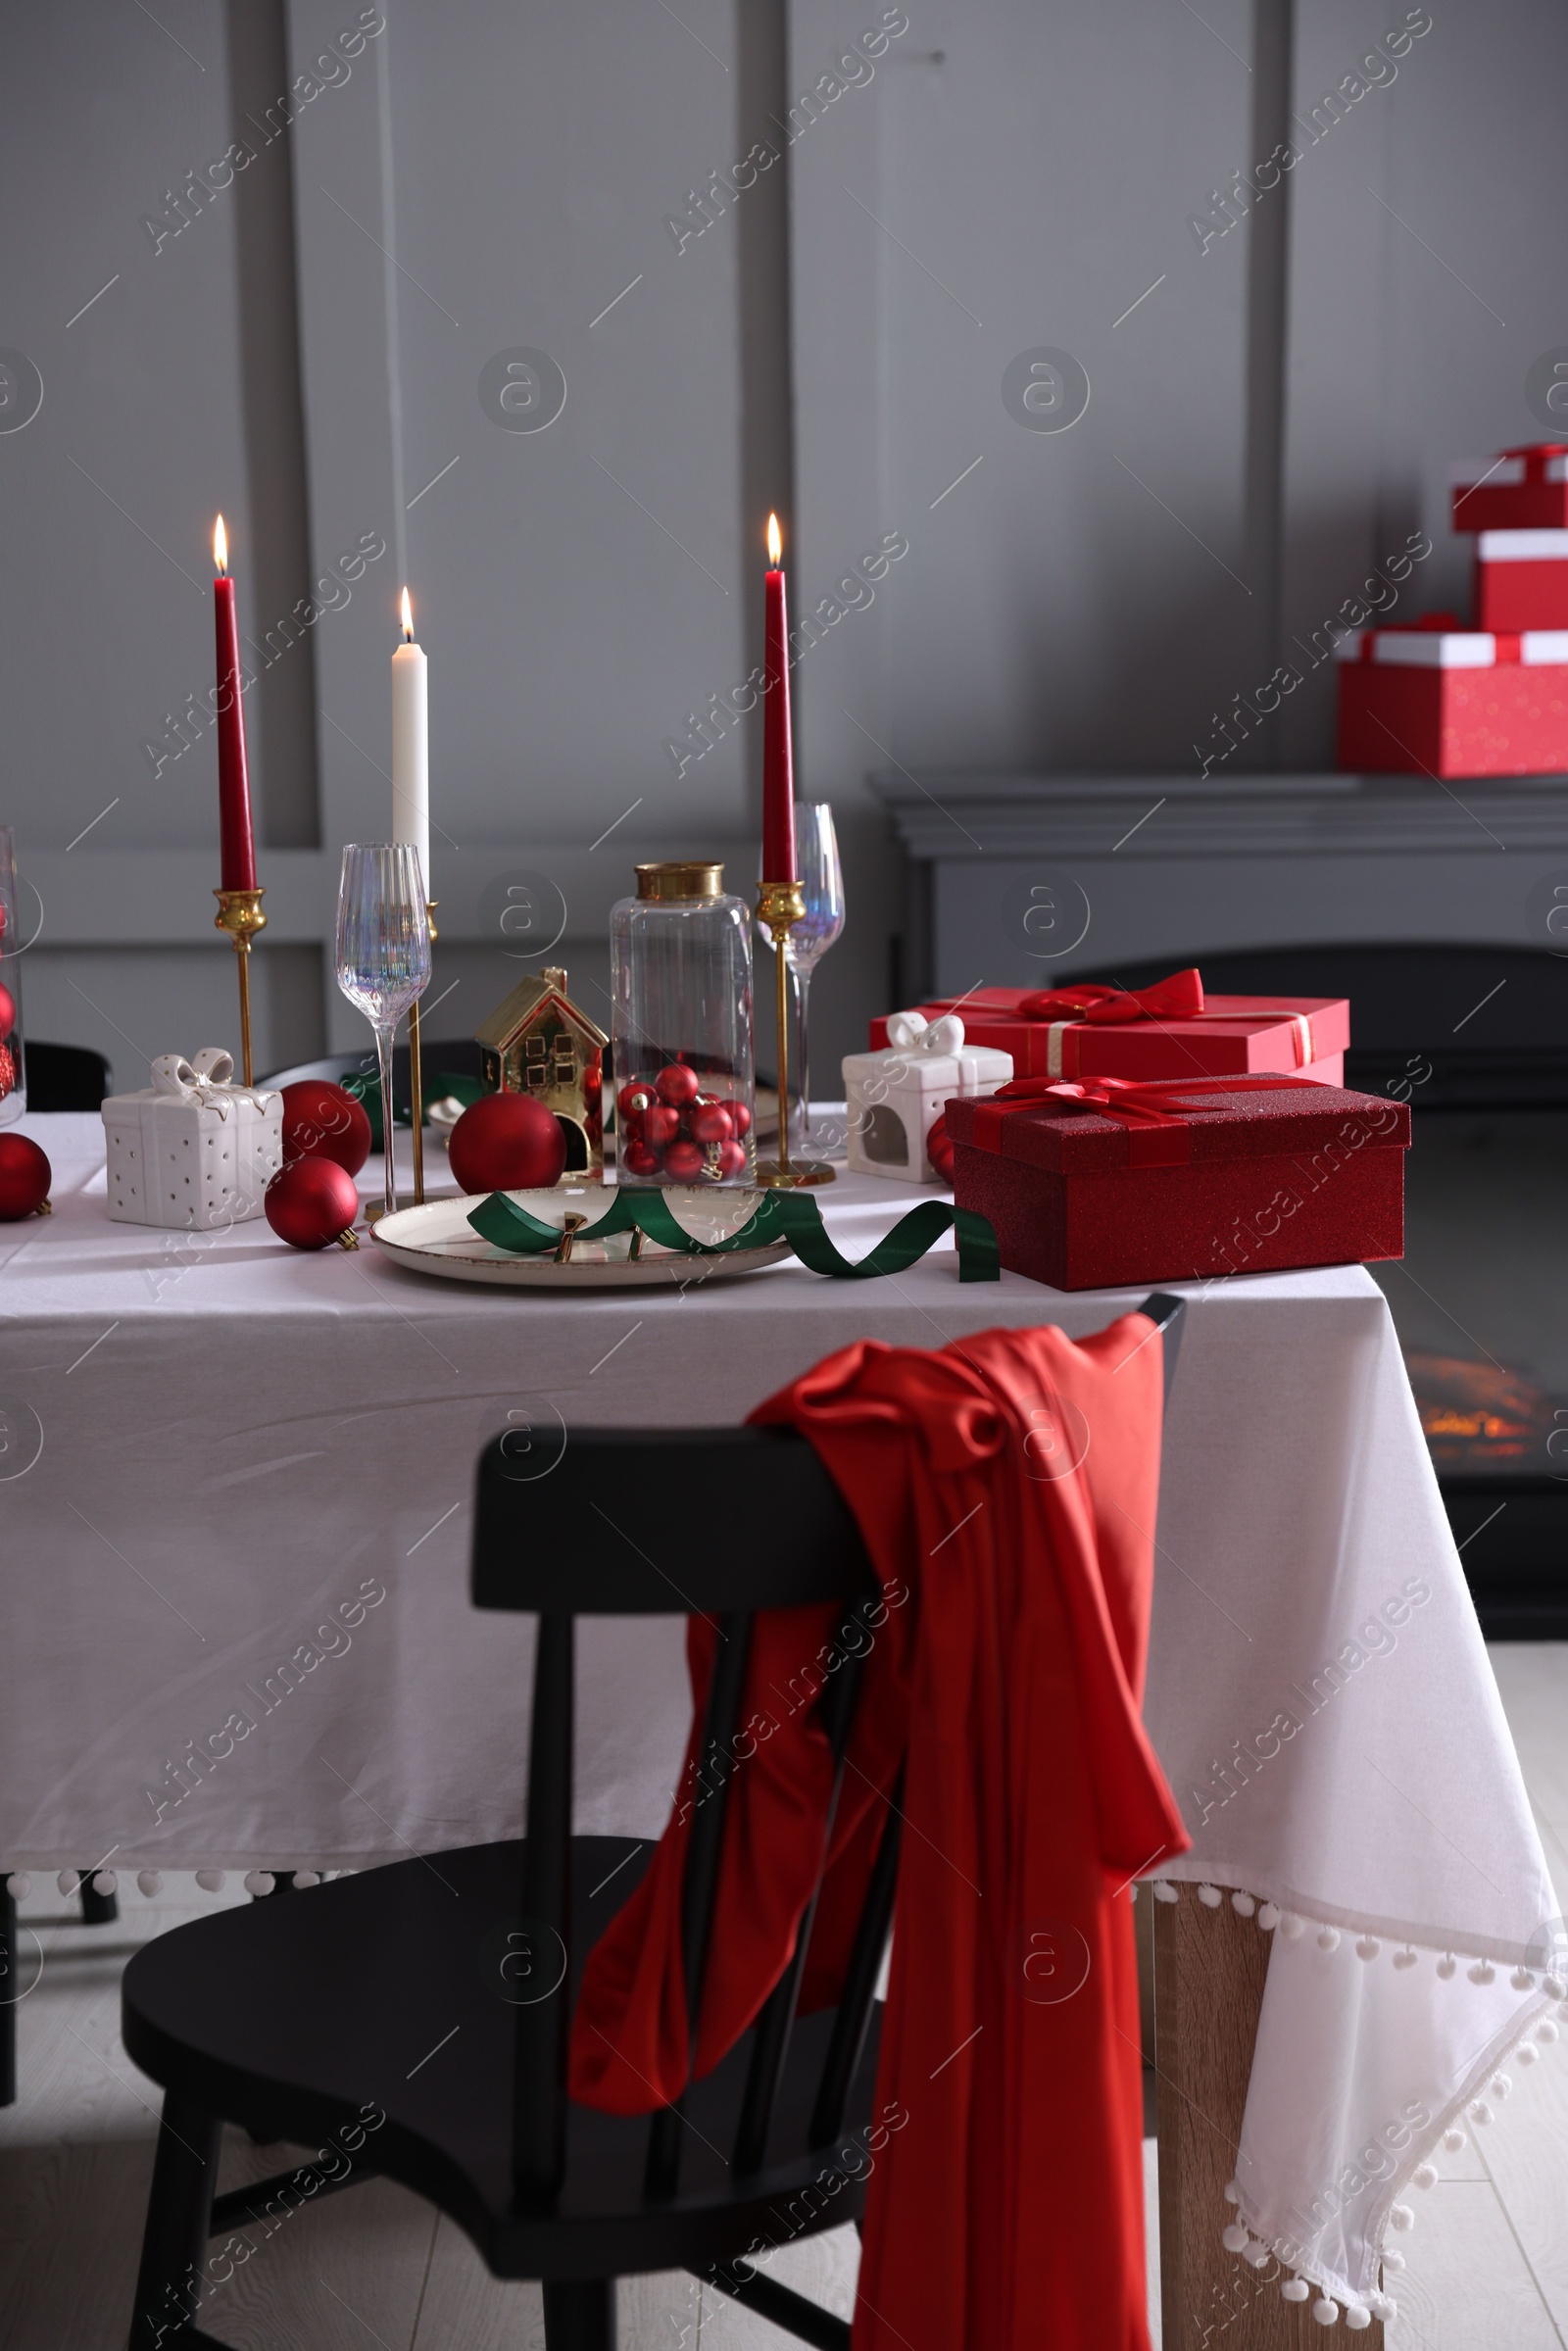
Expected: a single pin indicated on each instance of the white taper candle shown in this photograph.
(410, 745)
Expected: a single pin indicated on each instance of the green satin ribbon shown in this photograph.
(792, 1216)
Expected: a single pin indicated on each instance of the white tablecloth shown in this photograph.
(245, 1538)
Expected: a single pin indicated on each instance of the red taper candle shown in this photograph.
(237, 854)
(778, 766)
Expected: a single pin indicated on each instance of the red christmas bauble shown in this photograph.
(25, 1178)
(321, 1121)
(660, 1126)
(7, 1013)
(508, 1143)
(740, 1115)
(731, 1158)
(684, 1162)
(676, 1085)
(709, 1122)
(637, 1159)
(7, 1071)
(634, 1098)
(310, 1203)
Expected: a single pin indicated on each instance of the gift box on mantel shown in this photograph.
(193, 1151)
(1172, 1030)
(1437, 700)
(1104, 1185)
(1522, 579)
(1522, 489)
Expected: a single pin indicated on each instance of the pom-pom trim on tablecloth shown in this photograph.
(1236, 2237)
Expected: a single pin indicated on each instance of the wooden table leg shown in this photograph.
(1209, 1967)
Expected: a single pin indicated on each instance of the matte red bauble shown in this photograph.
(710, 1122)
(508, 1143)
(684, 1162)
(313, 1203)
(321, 1121)
(676, 1085)
(637, 1159)
(660, 1126)
(634, 1098)
(25, 1178)
(731, 1158)
(8, 1013)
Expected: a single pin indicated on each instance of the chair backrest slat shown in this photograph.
(853, 2017)
(539, 2089)
(770, 2046)
(710, 1802)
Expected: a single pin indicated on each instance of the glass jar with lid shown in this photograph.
(680, 958)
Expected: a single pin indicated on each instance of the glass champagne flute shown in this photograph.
(383, 954)
(822, 876)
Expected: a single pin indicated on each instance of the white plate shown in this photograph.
(438, 1238)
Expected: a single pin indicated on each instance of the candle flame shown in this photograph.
(408, 617)
(775, 541)
(221, 548)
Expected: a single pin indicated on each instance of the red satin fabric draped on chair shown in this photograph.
(1005, 1487)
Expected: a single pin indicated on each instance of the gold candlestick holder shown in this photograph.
(781, 906)
(239, 913)
(417, 1080)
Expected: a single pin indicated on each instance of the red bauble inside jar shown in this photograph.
(660, 1126)
(312, 1204)
(676, 1085)
(740, 1116)
(25, 1178)
(508, 1143)
(321, 1121)
(634, 1098)
(709, 1122)
(684, 1162)
(637, 1159)
(731, 1158)
(7, 1013)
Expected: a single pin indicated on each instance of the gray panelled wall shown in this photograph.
(1277, 387)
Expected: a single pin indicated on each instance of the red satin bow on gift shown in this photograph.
(1150, 1109)
(1159, 1135)
(1175, 998)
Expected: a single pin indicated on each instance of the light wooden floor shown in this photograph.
(1487, 2262)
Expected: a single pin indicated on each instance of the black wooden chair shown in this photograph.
(439, 1992)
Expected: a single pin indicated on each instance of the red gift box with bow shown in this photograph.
(1524, 489)
(1171, 1030)
(1105, 1184)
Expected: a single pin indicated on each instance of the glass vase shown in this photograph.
(680, 958)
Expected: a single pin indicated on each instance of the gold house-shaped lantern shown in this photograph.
(538, 1042)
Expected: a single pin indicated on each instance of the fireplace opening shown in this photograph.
(1476, 1039)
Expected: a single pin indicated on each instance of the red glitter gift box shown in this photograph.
(1106, 1185)
(1171, 1030)
(1437, 700)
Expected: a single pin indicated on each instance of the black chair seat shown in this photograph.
(386, 1990)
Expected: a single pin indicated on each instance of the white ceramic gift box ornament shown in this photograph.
(894, 1098)
(192, 1151)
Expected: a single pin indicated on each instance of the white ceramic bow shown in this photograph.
(206, 1079)
(911, 1032)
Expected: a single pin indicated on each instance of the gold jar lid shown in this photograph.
(687, 877)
